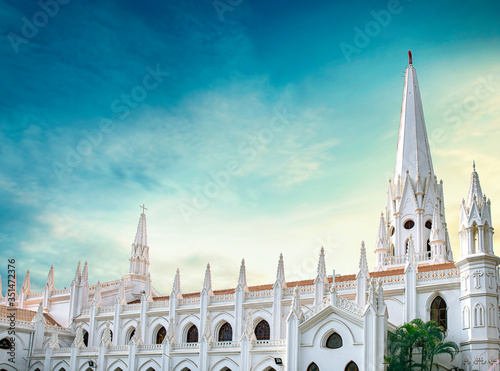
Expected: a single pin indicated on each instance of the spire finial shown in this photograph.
(473, 165)
(143, 207)
(410, 57)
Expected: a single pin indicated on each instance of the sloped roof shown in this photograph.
(26, 315)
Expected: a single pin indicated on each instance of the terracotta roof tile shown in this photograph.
(26, 315)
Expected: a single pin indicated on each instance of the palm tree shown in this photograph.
(415, 335)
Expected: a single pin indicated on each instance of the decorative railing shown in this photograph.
(132, 306)
(178, 346)
(349, 306)
(190, 301)
(225, 344)
(270, 343)
(58, 329)
(392, 280)
(90, 350)
(151, 347)
(119, 348)
(401, 259)
(61, 350)
(107, 309)
(302, 290)
(60, 292)
(346, 285)
(85, 312)
(222, 298)
(159, 304)
(262, 294)
(19, 322)
(38, 351)
(438, 275)
(35, 295)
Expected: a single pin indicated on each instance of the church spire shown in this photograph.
(176, 288)
(26, 283)
(207, 283)
(413, 146)
(242, 279)
(280, 272)
(474, 188)
(50, 279)
(139, 255)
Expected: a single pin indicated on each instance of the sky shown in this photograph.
(247, 128)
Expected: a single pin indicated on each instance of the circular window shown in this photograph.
(334, 341)
(428, 224)
(409, 224)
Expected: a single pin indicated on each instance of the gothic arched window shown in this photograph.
(429, 249)
(160, 335)
(478, 315)
(438, 312)
(334, 341)
(466, 316)
(85, 338)
(226, 332)
(409, 224)
(263, 331)
(351, 366)
(192, 335)
(313, 367)
(131, 334)
(5, 343)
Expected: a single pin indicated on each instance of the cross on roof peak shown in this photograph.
(143, 207)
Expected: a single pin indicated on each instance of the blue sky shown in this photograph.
(172, 94)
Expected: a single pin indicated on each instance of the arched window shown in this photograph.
(262, 330)
(130, 335)
(392, 231)
(409, 224)
(492, 316)
(225, 369)
(428, 224)
(160, 335)
(192, 335)
(85, 338)
(478, 315)
(226, 332)
(351, 366)
(438, 312)
(313, 367)
(391, 250)
(334, 341)
(429, 249)
(466, 315)
(5, 343)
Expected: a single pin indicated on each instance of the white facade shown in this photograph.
(335, 322)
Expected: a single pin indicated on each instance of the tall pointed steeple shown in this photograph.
(139, 255)
(207, 283)
(242, 279)
(50, 279)
(85, 274)
(413, 146)
(26, 283)
(321, 266)
(363, 263)
(475, 190)
(280, 272)
(176, 287)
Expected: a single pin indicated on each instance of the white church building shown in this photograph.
(330, 322)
